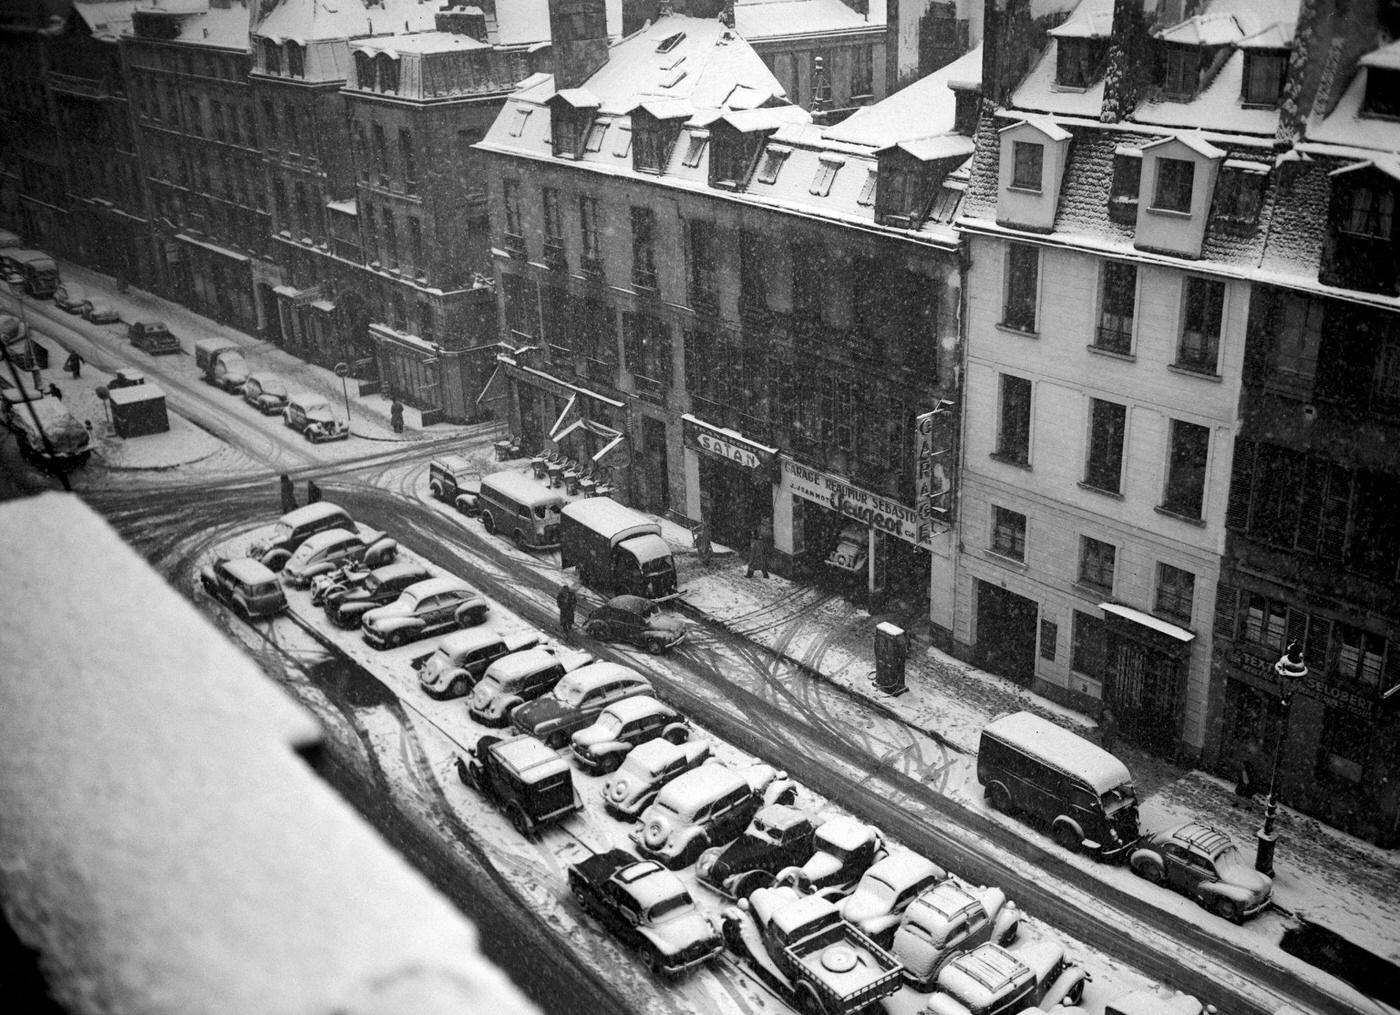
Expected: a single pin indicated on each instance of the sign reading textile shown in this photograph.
(878, 512)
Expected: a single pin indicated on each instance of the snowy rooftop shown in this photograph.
(165, 848)
(312, 20)
(757, 20)
(923, 109)
(108, 19)
(199, 21)
(1092, 19)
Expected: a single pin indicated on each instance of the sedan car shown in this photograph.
(312, 417)
(100, 311)
(947, 919)
(428, 608)
(346, 605)
(1203, 864)
(336, 548)
(645, 770)
(70, 297)
(647, 907)
(636, 621)
(576, 700)
(778, 837)
(622, 726)
(463, 656)
(845, 850)
(265, 392)
(885, 892)
(247, 586)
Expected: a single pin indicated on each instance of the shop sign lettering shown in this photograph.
(1339, 697)
(871, 509)
(715, 446)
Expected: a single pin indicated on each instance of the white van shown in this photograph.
(522, 508)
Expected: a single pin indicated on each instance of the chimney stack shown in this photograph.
(578, 30)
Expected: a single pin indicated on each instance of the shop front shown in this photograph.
(550, 414)
(731, 479)
(1147, 663)
(851, 539)
(220, 282)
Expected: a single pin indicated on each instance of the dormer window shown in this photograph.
(899, 197)
(1362, 248)
(1181, 71)
(827, 168)
(1079, 63)
(1028, 165)
(1263, 77)
(364, 69)
(1238, 195)
(1127, 178)
(1382, 92)
(731, 158)
(1175, 183)
(1368, 212)
(647, 147)
(296, 60)
(654, 137)
(272, 57)
(386, 73)
(566, 129)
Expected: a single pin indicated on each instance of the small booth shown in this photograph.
(138, 410)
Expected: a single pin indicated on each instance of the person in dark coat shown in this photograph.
(74, 364)
(313, 492)
(56, 391)
(1108, 729)
(396, 416)
(758, 553)
(289, 494)
(566, 600)
(703, 549)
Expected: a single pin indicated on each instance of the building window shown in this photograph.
(272, 56)
(381, 155)
(729, 161)
(1028, 160)
(1382, 92)
(649, 148)
(862, 73)
(1263, 77)
(390, 237)
(1089, 646)
(1049, 635)
(1180, 71)
(825, 175)
(364, 70)
(522, 306)
(1175, 591)
(1186, 469)
(296, 60)
(643, 248)
(1078, 62)
(1202, 315)
(646, 344)
(386, 73)
(1107, 424)
(410, 162)
(303, 209)
(1022, 286)
(753, 280)
(1360, 656)
(1238, 195)
(553, 225)
(1368, 212)
(426, 330)
(589, 227)
(703, 248)
(362, 151)
(1385, 376)
(596, 133)
(270, 123)
(1265, 622)
(415, 245)
(510, 192)
(1014, 426)
(1097, 560)
(1175, 183)
(1118, 303)
(1008, 533)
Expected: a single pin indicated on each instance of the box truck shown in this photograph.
(617, 550)
(221, 362)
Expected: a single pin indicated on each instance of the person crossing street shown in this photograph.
(566, 599)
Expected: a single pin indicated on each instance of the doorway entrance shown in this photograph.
(658, 499)
(732, 502)
(1143, 686)
(1006, 633)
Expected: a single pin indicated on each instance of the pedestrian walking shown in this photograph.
(758, 553)
(289, 494)
(313, 492)
(566, 600)
(74, 364)
(1108, 729)
(396, 416)
(1244, 779)
(702, 542)
(55, 391)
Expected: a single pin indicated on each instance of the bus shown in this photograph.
(38, 271)
(522, 508)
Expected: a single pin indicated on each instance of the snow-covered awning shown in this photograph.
(213, 248)
(1149, 621)
(284, 290)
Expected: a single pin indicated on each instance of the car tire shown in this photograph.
(1075, 994)
(436, 490)
(520, 542)
(1149, 870)
(610, 764)
(519, 821)
(458, 688)
(1066, 837)
(999, 797)
(732, 936)
(1227, 909)
(488, 523)
(465, 774)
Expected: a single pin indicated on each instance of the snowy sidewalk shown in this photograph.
(1331, 879)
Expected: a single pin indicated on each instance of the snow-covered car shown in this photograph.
(523, 778)
(992, 980)
(623, 725)
(454, 480)
(645, 770)
(346, 605)
(311, 416)
(518, 677)
(251, 589)
(126, 377)
(778, 837)
(576, 699)
(886, 890)
(461, 658)
(99, 310)
(706, 807)
(1203, 864)
(333, 549)
(70, 298)
(949, 918)
(636, 621)
(845, 849)
(1150, 1002)
(428, 608)
(296, 527)
(265, 392)
(648, 908)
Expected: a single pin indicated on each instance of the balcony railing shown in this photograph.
(554, 255)
(644, 280)
(650, 390)
(1114, 338)
(591, 265)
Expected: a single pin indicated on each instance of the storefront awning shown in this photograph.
(554, 433)
(608, 447)
(213, 248)
(1147, 620)
(486, 394)
(285, 290)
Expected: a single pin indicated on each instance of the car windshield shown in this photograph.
(1116, 799)
(567, 692)
(540, 510)
(1231, 866)
(656, 566)
(879, 888)
(266, 588)
(609, 723)
(763, 830)
(664, 908)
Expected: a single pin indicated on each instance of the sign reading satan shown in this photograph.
(725, 444)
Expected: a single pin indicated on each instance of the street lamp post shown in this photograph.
(1290, 671)
(16, 288)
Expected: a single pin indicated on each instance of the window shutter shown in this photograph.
(1241, 484)
(1315, 650)
(1297, 628)
(1227, 601)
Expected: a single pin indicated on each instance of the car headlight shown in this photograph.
(655, 833)
(617, 790)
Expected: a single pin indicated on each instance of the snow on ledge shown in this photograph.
(161, 843)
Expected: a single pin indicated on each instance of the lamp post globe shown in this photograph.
(1290, 671)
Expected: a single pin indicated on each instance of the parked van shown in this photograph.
(1086, 795)
(37, 270)
(265, 392)
(221, 363)
(517, 678)
(519, 506)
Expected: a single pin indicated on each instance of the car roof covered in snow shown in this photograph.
(843, 832)
(904, 867)
(459, 643)
(517, 664)
(802, 912)
(529, 758)
(595, 674)
(707, 782)
(434, 586)
(1061, 749)
(249, 571)
(977, 976)
(649, 883)
(639, 706)
(312, 513)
